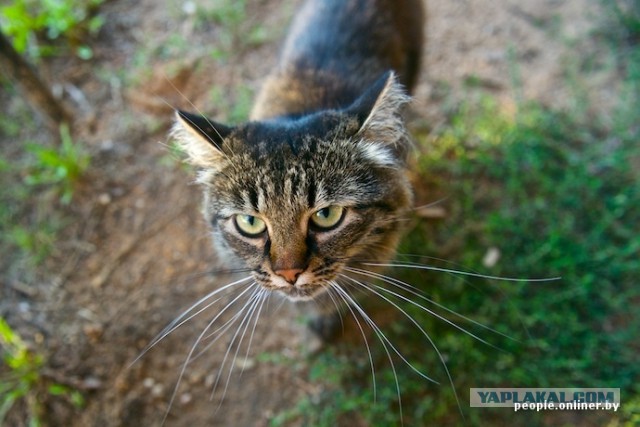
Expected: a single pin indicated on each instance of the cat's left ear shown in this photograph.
(379, 115)
(200, 137)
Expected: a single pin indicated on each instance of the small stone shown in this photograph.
(157, 390)
(189, 7)
(38, 338)
(122, 384)
(245, 363)
(91, 383)
(491, 258)
(185, 398)
(104, 199)
(209, 380)
(107, 145)
(194, 377)
(93, 332)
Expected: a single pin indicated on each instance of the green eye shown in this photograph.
(328, 217)
(249, 225)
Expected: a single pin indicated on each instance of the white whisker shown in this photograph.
(263, 296)
(426, 335)
(429, 205)
(364, 338)
(252, 310)
(463, 273)
(351, 302)
(502, 293)
(181, 320)
(414, 291)
(251, 303)
(336, 305)
(193, 348)
(404, 359)
(221, 330)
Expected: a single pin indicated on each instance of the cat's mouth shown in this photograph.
(306, 293)
(302, 290)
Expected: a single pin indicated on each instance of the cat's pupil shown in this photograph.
(327, 218)
(249, 225)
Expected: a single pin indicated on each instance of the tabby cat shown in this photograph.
(316, 181)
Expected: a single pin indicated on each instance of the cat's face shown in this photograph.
(297, 200)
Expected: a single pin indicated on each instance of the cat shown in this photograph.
(316, 181)
(310, 195)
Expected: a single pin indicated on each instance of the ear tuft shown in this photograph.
(200, 137)
(379, 113)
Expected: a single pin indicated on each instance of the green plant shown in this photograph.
(23, 370)
(60, 167)
(22, 224)
(22, 379)
(236, 108)
(32, 183)
(33, 24)
(237, 30)
(622, 21)
(37, 241)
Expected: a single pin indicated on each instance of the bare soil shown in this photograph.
(136, 250)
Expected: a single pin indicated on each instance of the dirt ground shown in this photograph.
(136, 251)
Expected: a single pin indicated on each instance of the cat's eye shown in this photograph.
(327, 218)
(249, 225)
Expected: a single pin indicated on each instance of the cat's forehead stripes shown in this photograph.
(273, 178)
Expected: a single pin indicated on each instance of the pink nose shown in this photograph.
(290, 275)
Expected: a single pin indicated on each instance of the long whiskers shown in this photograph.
(430, 205)
(350, 302)
(460, 272)
(499, 289)
(263, 298)
(195, 345)
(336, 305)
(253, 302)
(185, 317)
(415, 292)
(426, 335)
(364, 336)
(214, 336)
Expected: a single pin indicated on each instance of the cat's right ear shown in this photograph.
(378, 112)
(201, 138)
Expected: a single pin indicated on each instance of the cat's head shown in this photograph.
(298, 199)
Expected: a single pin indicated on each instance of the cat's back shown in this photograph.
(335, 49)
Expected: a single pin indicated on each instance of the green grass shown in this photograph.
(60, 167)
(34, 184)
(233, 106)
(36, 181)
(237, 31)
(557, 198)
(557, 193)
(621, 24)
(22, 381)
(235, 26)
(34, 25)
